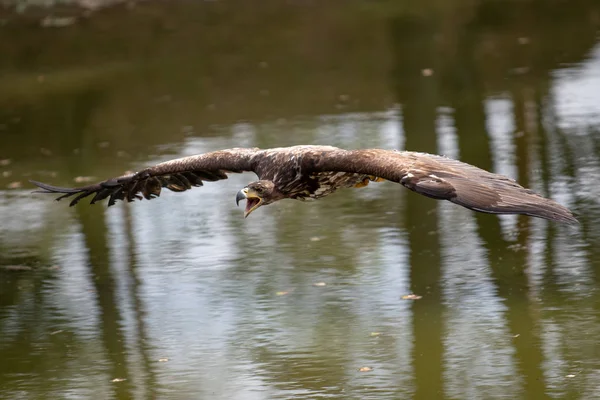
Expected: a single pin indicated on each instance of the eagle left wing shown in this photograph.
(443, 179)
(176, 175)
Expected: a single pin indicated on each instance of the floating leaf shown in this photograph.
(164, 359)
(319, 284)
(375, 334)
(14, 185)
(84, 179)
(118, 380)
(57, 22)
(282, 293)
(411, 297)
(16, 267)
(365, 369)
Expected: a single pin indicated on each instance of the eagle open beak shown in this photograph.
(253, 201)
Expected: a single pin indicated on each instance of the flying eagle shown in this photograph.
(312, 172)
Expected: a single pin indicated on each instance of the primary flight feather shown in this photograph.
(312, 172)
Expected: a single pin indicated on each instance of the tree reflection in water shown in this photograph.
(183, 298)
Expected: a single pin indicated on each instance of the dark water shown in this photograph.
(182, 298)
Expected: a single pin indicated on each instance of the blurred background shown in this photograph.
(182, 298)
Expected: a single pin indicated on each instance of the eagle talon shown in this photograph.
(363, 183)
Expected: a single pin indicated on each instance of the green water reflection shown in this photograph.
(182, 298)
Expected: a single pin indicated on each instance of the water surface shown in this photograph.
(181, 298)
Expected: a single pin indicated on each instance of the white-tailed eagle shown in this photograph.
(312, 172)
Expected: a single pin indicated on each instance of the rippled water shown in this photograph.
(181, 297)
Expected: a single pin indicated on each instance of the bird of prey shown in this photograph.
(312, 172)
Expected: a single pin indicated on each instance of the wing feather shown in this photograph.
(443, 179)
(176, 175)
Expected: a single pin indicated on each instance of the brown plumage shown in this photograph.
(312, 172)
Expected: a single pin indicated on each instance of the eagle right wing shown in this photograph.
(177, 175)
(443, 179)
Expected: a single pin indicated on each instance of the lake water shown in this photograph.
(183, 298)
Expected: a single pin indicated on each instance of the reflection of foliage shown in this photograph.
(134, 78)
(18, 275)
(163, 66)
(35, 337)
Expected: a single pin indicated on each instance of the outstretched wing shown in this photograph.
(177, 175)
(443, 179)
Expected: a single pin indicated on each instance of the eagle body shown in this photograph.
(284, 167)
(290, 170)
(312, 172)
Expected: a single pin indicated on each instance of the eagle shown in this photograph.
(310, 172)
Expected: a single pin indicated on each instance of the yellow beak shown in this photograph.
(253, 201)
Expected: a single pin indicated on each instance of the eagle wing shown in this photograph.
(177, 175)
(443, 179)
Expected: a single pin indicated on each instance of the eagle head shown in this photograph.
(257, 194)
